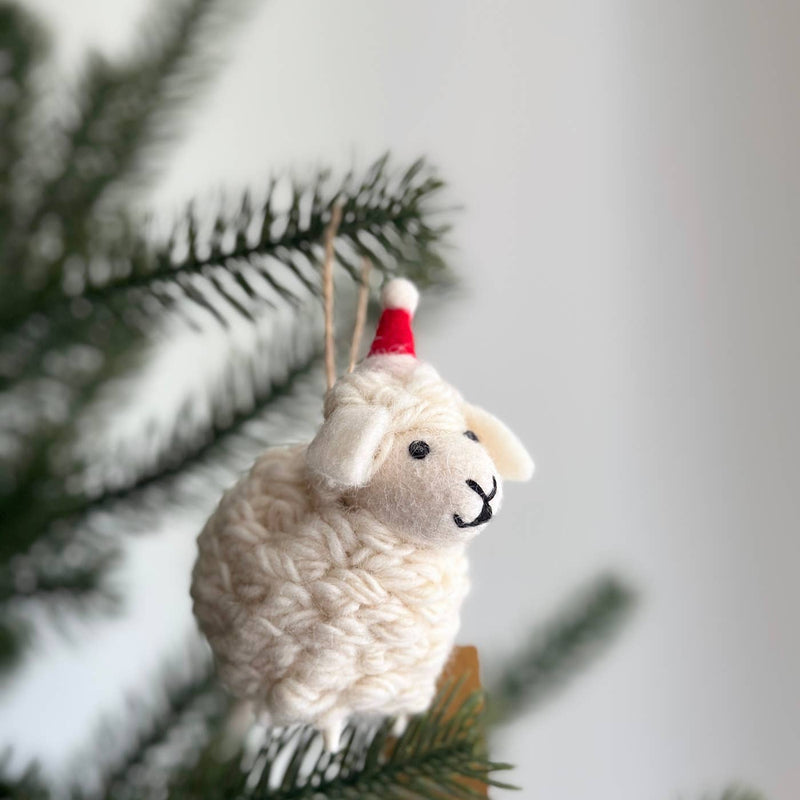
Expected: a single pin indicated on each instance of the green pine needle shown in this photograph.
(22, 46)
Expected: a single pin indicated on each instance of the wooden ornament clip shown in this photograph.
(463, 666)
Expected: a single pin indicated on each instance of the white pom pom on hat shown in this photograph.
(400, 293)
(394, 335)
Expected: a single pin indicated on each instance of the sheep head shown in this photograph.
(402, 444)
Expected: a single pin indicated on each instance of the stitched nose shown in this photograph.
(478, 489)
(486, 512)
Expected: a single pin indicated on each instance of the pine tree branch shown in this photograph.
(86, 593)
(166, 738)
(38, 488)
(125, 110)
(234, 265)
(441, 754)
(22, 46)
(736, 792)
(30, 518)
(32, 550)
(180, 457)
(14, 636)
(63, 572)
(387, 216)
(26, 786)
(433, 758)
(40, 576)
(142, 771)
(561, 649)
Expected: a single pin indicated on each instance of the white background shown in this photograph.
(630, 176)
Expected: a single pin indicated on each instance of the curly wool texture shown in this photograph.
(411, 390)
(316, 612)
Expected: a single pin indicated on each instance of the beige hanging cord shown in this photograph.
(327, 293)
(361, 312)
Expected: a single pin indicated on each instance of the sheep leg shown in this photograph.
(331, 729)
(264, 718)
(237, 724)
(399, 725)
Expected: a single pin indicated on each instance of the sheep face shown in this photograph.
(433, 486)
(402, 444)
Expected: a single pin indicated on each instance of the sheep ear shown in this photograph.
(343, 451)
(508, 453)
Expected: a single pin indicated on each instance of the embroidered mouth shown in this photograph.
(486, 512)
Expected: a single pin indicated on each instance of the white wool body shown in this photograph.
(316, 611)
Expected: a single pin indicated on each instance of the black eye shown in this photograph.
(419, 449)
(471, 435)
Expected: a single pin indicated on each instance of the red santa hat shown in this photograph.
(394, 335)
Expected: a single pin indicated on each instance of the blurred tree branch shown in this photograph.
(560, 649)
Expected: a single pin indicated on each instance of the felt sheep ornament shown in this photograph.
(330, 578)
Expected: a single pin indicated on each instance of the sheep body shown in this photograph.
(314, 609)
